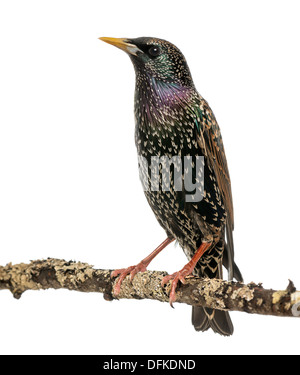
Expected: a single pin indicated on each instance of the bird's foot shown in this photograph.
(185, 271)
(175, 277)
(140, 267)
(123, 272)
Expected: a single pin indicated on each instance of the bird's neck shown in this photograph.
(157, 100)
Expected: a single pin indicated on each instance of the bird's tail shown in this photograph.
(204, 318)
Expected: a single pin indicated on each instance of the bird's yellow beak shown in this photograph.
(121, 43)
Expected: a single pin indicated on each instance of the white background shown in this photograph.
(67, 126)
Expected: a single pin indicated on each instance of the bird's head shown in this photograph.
(155, 58)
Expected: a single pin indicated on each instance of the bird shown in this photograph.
(174, 123)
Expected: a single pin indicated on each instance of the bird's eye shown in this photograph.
(154, 51)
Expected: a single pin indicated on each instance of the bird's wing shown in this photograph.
(210, 141)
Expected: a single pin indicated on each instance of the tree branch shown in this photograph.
(213, 293)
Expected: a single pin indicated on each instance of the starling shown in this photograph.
(174, 122)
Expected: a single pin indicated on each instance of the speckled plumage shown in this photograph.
(172, 119)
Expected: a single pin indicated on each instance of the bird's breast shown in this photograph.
(165, 131)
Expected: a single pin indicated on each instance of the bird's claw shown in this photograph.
(175, 277)
(123, 272)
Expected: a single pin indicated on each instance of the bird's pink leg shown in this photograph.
(185, 271)
(140, 267)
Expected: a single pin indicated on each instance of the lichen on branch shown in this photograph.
(214, 293)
